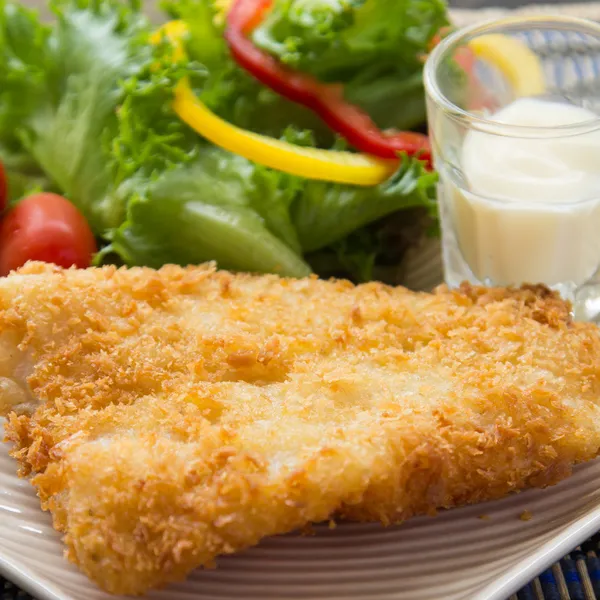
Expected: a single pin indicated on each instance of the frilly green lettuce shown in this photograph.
(59, 89)
(373, 47)
(85, 110)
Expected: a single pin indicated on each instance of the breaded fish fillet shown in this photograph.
(172, 416)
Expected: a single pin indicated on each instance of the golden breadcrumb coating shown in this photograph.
(168, 417)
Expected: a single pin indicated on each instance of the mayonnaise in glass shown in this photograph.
(528, 209)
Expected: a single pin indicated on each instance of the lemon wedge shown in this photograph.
(514, 59)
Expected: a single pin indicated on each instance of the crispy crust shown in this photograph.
(186, 413)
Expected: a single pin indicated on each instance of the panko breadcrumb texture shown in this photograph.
(168, 417)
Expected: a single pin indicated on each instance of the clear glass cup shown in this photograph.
(513, 110)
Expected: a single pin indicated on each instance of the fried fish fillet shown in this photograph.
(169, 417)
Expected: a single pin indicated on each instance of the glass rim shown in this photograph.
(462, 35)
(531, 205)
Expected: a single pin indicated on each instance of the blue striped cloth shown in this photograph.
(575, 577)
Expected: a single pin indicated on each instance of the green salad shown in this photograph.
(284, 136)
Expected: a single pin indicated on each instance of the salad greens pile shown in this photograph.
(86, 111)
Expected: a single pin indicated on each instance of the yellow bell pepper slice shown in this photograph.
(311, 163)
(173, 31)
(514, 59)
(222, 7)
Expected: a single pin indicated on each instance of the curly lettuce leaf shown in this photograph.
(22, 62)
(326, 213)
(206, 211)
(375, 54)
(335, 39)
(250, 218)
(23, 174)
(60, 91)
(374, 47)
(217, 206)
(227, 89)
(87, 112)
(192, 202)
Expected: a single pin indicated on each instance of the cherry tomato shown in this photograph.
(3, 188)
(45, 227)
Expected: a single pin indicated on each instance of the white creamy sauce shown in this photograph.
(531, 211)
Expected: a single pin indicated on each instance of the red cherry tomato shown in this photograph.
(45, 227)
(3, 188)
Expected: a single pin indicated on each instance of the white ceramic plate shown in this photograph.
(456, 555)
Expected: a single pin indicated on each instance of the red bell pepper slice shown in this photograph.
(3, 189)
(326, 100)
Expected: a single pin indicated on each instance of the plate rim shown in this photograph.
(549, 553)
(507, 583)
(502, 588)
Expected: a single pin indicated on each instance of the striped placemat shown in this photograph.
(575, 577)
